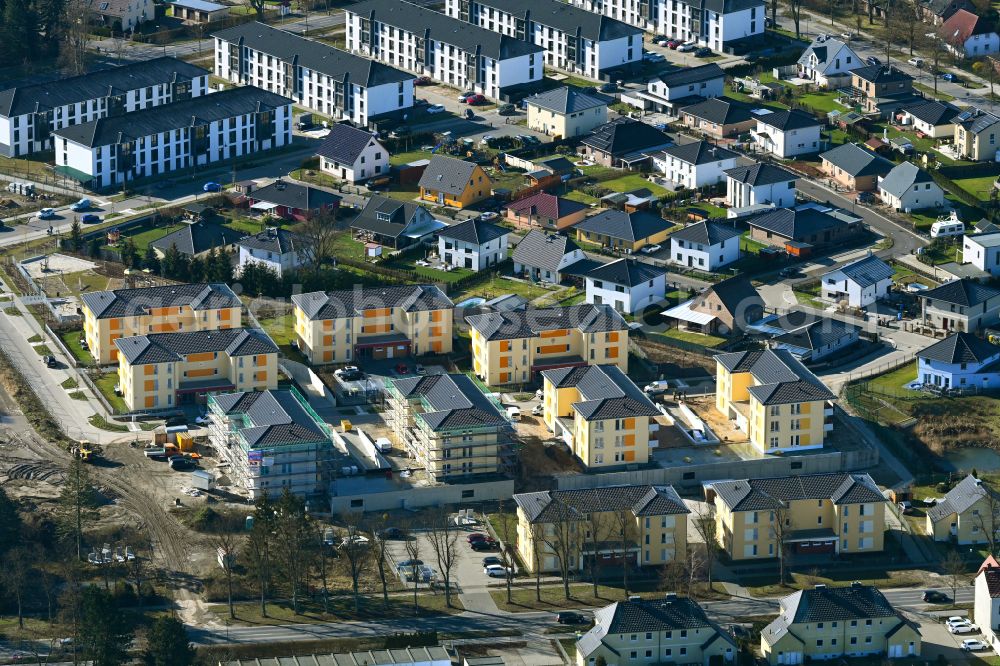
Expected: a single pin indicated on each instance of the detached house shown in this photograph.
(292, 201)
(960, 361)
(393, 223)
(123, 15)
(622, 231)
(549, 257)
(787, 133)
(353, 155)
(969, 35)
(883, 89)
(977, 135)
(707, 245)
(828, 62)
(933, 118)
(695, 165)
(725, 307)
(986, 608)
(966, 515)
(982, 251)
(449, 181)
(908, 187)
(546, 211)
(719, 117)
(566, 112)
(279, 249)
(855, 167)
(675, 89)
(859, 283)
(473, 243)
(624, 143)
(760, 183)
(799, 232)
(960, 305)
(626, 285)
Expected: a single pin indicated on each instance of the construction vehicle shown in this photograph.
(86, 451)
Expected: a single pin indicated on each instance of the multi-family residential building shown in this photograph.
(760, 183)
(967, 514)
(272, 440)
(695, 165)
(341, 85)
(718, 24)
(828, 623)
(787, 133)
(723, 308)
(707, 245)
(280, 250)
(986, 606)
(450, 181)
(574, 39)
(511, 347)
(627, 285)
(601, 415)
(967, 34)
(29, 114)
(473, 243)
(960, 305)
(982, 251)
(124, 313)
(566, 112)
(199, 131)
(908, 187)
(855, 167)
(774, 399)
(638, 525)
(813, 514)
(450, 425)
(674, 89)
(977, 134)
(352, 154)
(382, 322)
(828, 62)
(668, 630)
(858, 283)
(960, 361)
(164, 370)
(446, 49)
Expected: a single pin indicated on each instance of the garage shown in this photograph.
(789, 657)
(813, 542)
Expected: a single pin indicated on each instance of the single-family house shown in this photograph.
(969, 35)
(198, 239)
(352, 154)
(197, 11)
(858, 283)
(719, 117)
(908, 187)
(278, 249)
(725, 307)
(292, 201)
(808, 337)
(933, 118)
(393, 223)
(450, 181)
(545, 210)
(977, 135)
(626, 285)
(760, 183)
(548, 257)
(473, 243)
(960, 305)
(708, 245)
(675, 89)
(967, 514)
(982, 251)
(960, 361)
(883, 89)
(623, 231)
(855, 167)
(623, 142)
(695, 165)
(122, 15)
(787, 133)
(566, 112)
(986, 604)
(828, 62)
(937, 12)
(799, 231)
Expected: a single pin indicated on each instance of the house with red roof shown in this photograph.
(969, 35)
(546, 211)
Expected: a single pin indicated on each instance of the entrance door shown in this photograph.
(895, 651)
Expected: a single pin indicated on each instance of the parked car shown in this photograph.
(872, 61)
(359, 540)
(435, 108)
(82, 204)
(659, 387)
(659, 40)
(491, 560)
(963, 628)
(948, 76)
(653, 57)
(475, 100)
(50, 361)
(570, 617)
(703, 52)
(211, 187)
(687, 47)
(487, 544)
(409, 563)
(905, 507)
(476, 536)
(789, 271)
(489, 216)
(847, 36)
(514, 413)
(651, 249)
(538, 410)
(496, 571)
(506, 109)
(610, 86)
(392, 533)
(90, 218)
(529, 139)
(674, 43)
(46, 213)
(916, 62)
(201, 420)
(865, 197)
(423, 81)
(973, 645)
(935, 597)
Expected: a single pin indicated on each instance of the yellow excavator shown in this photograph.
(86, 451)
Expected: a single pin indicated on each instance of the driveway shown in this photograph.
(937, 640)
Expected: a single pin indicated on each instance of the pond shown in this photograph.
(969, 458)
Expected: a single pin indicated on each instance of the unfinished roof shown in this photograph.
(272, 419)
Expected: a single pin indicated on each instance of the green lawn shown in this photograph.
(99, 421)
(281, 328)
(809, 299)
(751, 246)
(944, 97)
(345, 246)
(633, 181)
(978, 187)
(895, 380)
(69, 383)
(695, 338)
(144, 238)
(582, 197)
(71, 339)
(411, 156)
(106, 385)
(822, 101)
(42, 350)
(923, 219)
(500, 286)
(248, 225)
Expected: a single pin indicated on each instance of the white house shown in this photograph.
(473, 243)
(626, 285)
(961, 360)
(933, 118)
(546, 257)
(278, 249)
(969, 35)
(574, 39)
(450, 51)
(859, 283)
(352, 154)
(156, 141)
(760, 183)
(828, 62)
(986, 604)
(337, 84)
(982, 251)
(908, 187)
(695, 165)
(123, 15)
(29, 114)
(787, 133)
(706, 245)
(674, 89)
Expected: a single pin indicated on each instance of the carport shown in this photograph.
(391, 345)
(811, 542)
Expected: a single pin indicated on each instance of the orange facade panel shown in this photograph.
(505, 345)
(613, 336)
(629, 456)
(505, 361)
(200, 356)
(225, 314)
(327, 356)
(203, 372)
(629, 440)
(379, 312)
(148, 370)
(612, 352)
(556, 333)
(552, 349)
(149, 402)
(436, 346)
(437, 315)
(435, 331)
(148, 385)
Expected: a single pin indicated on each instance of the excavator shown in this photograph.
(86, 451)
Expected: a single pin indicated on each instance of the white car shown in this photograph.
(957, 619)
(514, 413)
(973, 645)
(489, 216)
(916, 62)
(348, 369)
(657, 387)
(687, 47)
(496, 571)
(435, 108)
(201, 420)
(46, 213)
(651, 249)
(963, 628)
(538, 410)
(357, 540)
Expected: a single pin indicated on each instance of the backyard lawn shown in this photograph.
(500, 286)
(695, 338)
(411, 156)
(923, 219)
(344, 245)
(978, 187)
(144, 238)
(71, 339)
(106, 385)
(633, 181)
(822, 101)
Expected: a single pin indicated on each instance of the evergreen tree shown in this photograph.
(196, 270)
(151, 261)
(76, 502)
(50, 20)
(168, 644)
(76, 235)
(105, 632)
(10, 523)
(94, 248)
(130, 254)
(171, 258)
(19, 32)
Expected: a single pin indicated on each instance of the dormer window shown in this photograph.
(382, 217)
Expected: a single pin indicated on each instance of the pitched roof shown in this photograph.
(706, 232)
(192, 239)
(566, 18)
(586, 317)
(546, 205)
(295, 195)
(272, 419)
(451, 402)
(166, 347)
(642, 500)
(37, 97)
(825, 604)
(629, 227)
(960, 499)
(857, 161)
(719, 110)
(762, 173)
(962, 25)
(135, 302)
(866, 271)
(605, 392)
(882, 74)
(347, 302)
(788, 120)
(762, 494)
(699, 152)
(687, 75)
(543, 250)
(933, 112)
(780, 378)
(474, 230)
(960, 347)
(735, 293)
(826, 49)
(902, 177)
(992, 575)
(388, 217)
(447, 174)
(625, 135)
(344, 143)
(795, 224)
(626, 272)
(964, 292)
(567, 99)
(279, 241)
(806, 331)
(976, 120)
(435, 25)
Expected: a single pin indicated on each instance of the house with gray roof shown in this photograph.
(473, 243)
(352, 154)
(855, 167)
(859, 283)
(623, 142)
(198, 239)
(623, 231)
(393, 223)
(759, 184)
(197, 11)
(724, 308)
(122, 15)
(800, 231)
(787, 133)
(828, 62)
(411, 656)
(709, 245)
(960, 362)
(960, 305)
(627, 285)
(566, 111)
(908, 187)
(280, 250)
(966, 514)
(810, 338)
(695, 165)
(678, 87)
(982, 250)
(291, 200)
(549, 257)
(450, 181)
(933, 118)
(333, 82)
(718, 117)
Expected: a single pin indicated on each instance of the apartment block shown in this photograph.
(30, 114)
(450, 51)
(335, 83)
(178, 308)
(574, 39)
(272, 440)
(157, 141)
(450, 425)
(821, 513)
(774, 399)
(511, 347)
(601, 415)
(637, 525)
(388, 322)
(165, 370)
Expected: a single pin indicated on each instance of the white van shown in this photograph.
(514, 413)
(944, 228)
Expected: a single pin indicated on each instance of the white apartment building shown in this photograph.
(695, 165)
(712, 23)
(200, 131)
(29, 114)
(446, 49)
(317, 76)
(574, 39)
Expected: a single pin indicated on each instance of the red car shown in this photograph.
(477, 536)
(475, 99)
(674, 43)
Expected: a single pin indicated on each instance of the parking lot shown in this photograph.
(937, 640)
(467, 573)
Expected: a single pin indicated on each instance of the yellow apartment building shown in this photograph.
(600, 413)
(124, 313)
(829, 623)
(640, 525)
(774, 399)
(387, 322)
(450, 181)
(967, 513)
(822, 513)
(669, 630)
(511, 347)
(164, 370)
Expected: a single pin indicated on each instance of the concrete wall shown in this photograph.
(412, 498)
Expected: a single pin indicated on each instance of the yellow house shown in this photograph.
(814, 514)
(669, 630)
(510, 347)
(124, 313)
(624, 231)
(835, 622)
(976, 136)
(600, 413)
(163, 370)
(774, 399)
(387, 322)
(642, 525)
(566, 112)
(967, 513)
(449, 181)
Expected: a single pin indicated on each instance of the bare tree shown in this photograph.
(954, 568)
(561, 538)
(987, 516)
(599, 530)
(378, 533)
(319, 535)
(937, 51)
(73, 54)
(780, 528)
(774, 13)
(626, 531)
(911, 21)
(674, 574)
(226, 546)
(695, 569)
(293, 543)
(355, 551)
(444, 542)
(136, 569)
(258, 6)
(795, 10)
(708, 529)
(507, 557)
(259, 545)
(320, 231)
(16, 573)
(413, 551)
